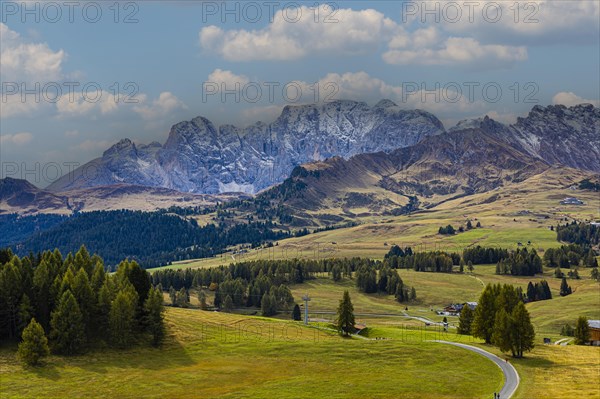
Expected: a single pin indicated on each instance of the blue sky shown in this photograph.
(173, 53)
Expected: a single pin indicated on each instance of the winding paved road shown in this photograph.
(511, 377)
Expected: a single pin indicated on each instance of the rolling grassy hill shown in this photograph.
(517, 212)
(215, 355)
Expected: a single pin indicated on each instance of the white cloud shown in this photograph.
(96, 100)
(360, 86)
(425, 47)
(527, 22)
(12, 105)
(161, 107)
(24, 61)
(227, 78)
(21, 138)
(354, 33)
(569, 99)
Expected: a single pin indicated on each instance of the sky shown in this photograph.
(78, 76)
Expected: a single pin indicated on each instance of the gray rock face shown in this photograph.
(201, 158)
(198, 157)
(559, 135)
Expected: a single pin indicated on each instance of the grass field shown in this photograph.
(216, 355)
(519, 212)
(209, 354)
(225, 355)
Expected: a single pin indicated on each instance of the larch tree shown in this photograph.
(34, 344)
(465, 320)
(67, 332)
(485, 314)
(154, 310)
(582, 331)
(345, 315)
(121, 319)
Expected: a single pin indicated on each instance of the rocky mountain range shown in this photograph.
(198, 157)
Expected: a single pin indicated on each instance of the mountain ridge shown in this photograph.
(201, 158)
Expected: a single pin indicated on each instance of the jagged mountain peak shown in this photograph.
(123, 148)
(385, 103)
(201, 158)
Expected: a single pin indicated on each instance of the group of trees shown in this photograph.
(501, 318)
(482, 255)
(521, 262)
(584, 234)
(538, 291)
(386, 280)
(75, 303)
(450, 230)
(567, 256)
(432, 261)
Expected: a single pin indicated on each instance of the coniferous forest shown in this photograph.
(77, 304)
(150, 238)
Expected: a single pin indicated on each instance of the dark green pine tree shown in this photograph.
(465, 320)
(82, 290)
(67, 333)
(121, 319)
(34, 344)
(501, 335)
(522, 333)
(227, 304)
(582, 331)
(267, 305)
(564, 287)
(345, 315)
(485, 314)
(154, 311)
(42, 297)
(26, 313)
(296, 315)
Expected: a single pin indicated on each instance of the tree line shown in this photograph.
(584, 234)
(571, 255)
(150, 238)
(522, 262)
(75, 304)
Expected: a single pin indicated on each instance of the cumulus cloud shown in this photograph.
(21, 60)
(160, 107)
(569, 99)
(93, 101)
(356, 33)
(21, 138)
(528, 22)
(428, 47)
(361, 86)
(227, 78)
(346, 32)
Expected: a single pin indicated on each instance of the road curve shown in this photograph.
(511, 377)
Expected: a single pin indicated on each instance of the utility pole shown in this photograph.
(306, 299)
